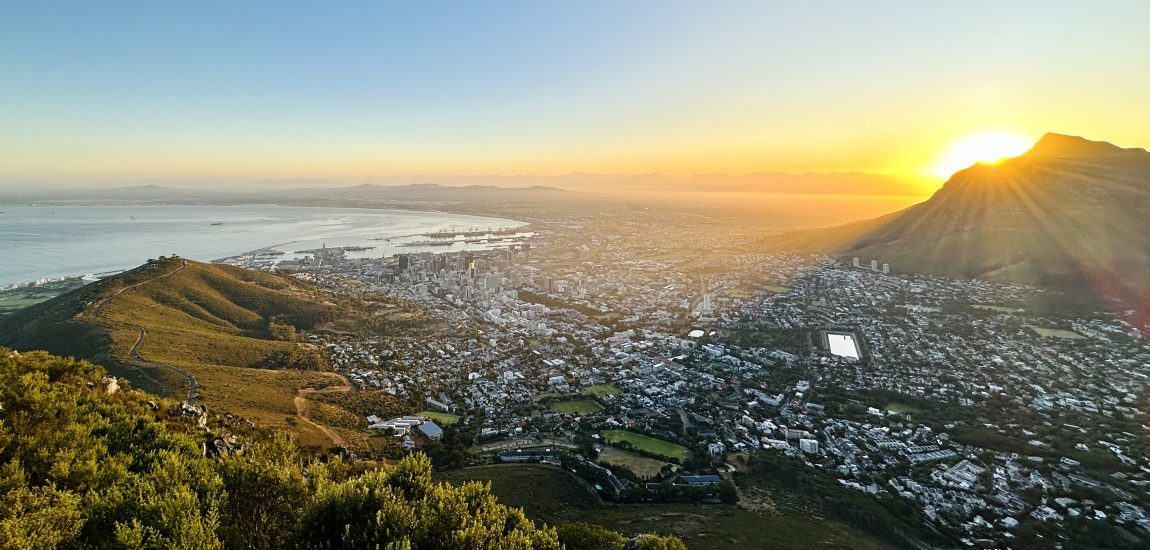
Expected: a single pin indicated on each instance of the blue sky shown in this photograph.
(114, 91)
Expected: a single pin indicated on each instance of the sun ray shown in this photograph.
(985, 147)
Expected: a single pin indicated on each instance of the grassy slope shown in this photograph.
(554, 496)
(208, 319)
(211, 319)
(53, 325)
(211, 314)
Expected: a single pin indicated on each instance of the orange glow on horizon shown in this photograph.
(983, 147)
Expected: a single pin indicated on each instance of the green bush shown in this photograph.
(80, 467)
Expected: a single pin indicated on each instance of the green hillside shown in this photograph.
(207, 314)
(85, 466)
(228, 330)
(226, 306)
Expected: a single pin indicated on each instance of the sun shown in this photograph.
(986, 147)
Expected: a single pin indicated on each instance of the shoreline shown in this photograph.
(48, 277)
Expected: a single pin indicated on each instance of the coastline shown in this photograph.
(342, 236)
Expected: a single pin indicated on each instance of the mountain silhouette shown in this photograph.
(1070, 213)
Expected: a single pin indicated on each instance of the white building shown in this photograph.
(809, 446)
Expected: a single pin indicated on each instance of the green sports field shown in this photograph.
(648, 444)
(442, 418)
(599, 390)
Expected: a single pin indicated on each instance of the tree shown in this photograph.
(281, 331)
(80, 468)
(402, 505)
(298, 358)
(728, 493)
(266, 494)
(39, 517)
(655, 542)
(588, 536)
(102, 471)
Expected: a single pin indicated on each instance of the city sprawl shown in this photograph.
(981, 405)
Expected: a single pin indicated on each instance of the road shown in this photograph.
(687, 424)
(523, 443)
(135, 356)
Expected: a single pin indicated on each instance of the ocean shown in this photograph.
(63, 241)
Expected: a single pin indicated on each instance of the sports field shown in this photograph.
(444, 419)
(599, 390)
(648, 444)
(641, 465)
(1057, 333)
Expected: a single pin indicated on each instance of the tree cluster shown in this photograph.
(296, 358)
(84, 468)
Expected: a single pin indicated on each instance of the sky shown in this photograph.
(132, 92)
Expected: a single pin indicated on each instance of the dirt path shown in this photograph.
(99, 309)
(301, 410)
(134, 355)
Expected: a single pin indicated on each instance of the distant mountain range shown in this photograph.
(421, 192)
(1070, 213)
(490, 187)
(429, 192)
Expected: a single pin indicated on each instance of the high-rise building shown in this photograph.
(856, 261)
(874, 265)
(886, 269)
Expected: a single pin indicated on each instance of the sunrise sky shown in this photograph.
(126, 91)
